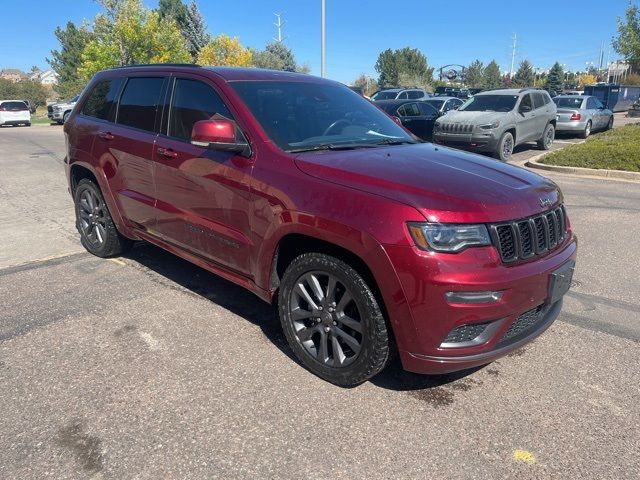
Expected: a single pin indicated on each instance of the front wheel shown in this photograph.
(65, 117)
(332, 320)
(610, 123)
(98, 233)
(505, 147)
(548, 136)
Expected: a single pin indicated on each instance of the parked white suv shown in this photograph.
(14, 112)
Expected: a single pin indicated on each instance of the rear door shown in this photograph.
(413, 119)
(203, 195)
(125, 148)
(541, 116)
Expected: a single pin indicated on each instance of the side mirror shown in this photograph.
(525, 108)
(396, 119)
(218, 135)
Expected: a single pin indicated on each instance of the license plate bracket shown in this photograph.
(560, 281)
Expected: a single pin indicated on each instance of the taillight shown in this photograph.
(575, 116)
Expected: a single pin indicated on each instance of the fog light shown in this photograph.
(473, 297)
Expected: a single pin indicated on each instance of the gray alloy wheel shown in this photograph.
(332, 320)
(326, 319)
(587, 130)
(98, 233)
(505, 147)
(91, 219)
(65, 117)
(546, 142)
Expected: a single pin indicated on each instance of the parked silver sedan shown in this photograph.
(582, 114)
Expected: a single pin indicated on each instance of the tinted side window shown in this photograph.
(403, 95)
(526, 102)
(546, 98)
(538, 100)
(101, 102)
(193, 101)
(428, 109)
(415, 94)
(139, 102)
(410, 110)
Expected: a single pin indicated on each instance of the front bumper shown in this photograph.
(475, 142)
(427, 276)
(56, 116)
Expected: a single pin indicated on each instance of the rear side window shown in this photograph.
(403, 95)
(409, 110)
(415, 94)
(139, 102)
(193, 101)
(101, 102)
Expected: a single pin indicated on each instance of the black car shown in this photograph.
(416, 116)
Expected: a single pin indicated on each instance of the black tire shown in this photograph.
(546, 141)
(65, 117)
(505, 147)
(106, 241)
(372, 338)
(610, 123)
(587, 130)
(27, 124)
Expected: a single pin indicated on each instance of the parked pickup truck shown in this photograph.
(59, 112)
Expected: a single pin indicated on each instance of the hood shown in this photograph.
(445, 185)
(473, 118)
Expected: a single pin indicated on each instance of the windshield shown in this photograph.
(489, 103)
(384, 95)
(437, 104)
(13, 106)
(568, 102)
(301, 116)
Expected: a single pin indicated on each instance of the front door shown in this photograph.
(203, 195)
(527, 126)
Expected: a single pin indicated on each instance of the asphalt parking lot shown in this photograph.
(148, 367)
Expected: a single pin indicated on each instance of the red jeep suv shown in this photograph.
(305, 193)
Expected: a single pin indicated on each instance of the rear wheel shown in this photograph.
(98, 233)
(548, 136)
(505, 147)
(587, 130)
(332, 320)
(65, 117)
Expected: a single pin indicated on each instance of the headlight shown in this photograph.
(57, 109)
(436, 126)
(490, 126)
(448, 237)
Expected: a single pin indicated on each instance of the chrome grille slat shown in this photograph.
(528, 237)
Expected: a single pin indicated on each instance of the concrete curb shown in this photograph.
(590, 172)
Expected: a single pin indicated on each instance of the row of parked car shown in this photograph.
(494, 121)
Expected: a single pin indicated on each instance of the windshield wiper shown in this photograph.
(394, 141)
(333, 146)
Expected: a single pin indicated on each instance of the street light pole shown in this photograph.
(322, 8)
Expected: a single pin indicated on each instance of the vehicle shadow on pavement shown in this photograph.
(169, 270)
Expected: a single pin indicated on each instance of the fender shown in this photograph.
(359, 243)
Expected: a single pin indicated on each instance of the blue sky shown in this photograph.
(357, 30)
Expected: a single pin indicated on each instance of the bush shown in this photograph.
(24, 90)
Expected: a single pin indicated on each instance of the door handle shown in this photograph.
(106, 135)
(167, 152)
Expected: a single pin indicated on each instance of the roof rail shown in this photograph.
(137, 65)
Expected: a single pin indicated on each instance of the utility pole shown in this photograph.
(322, 10)
(279, 25)
(513, 55)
